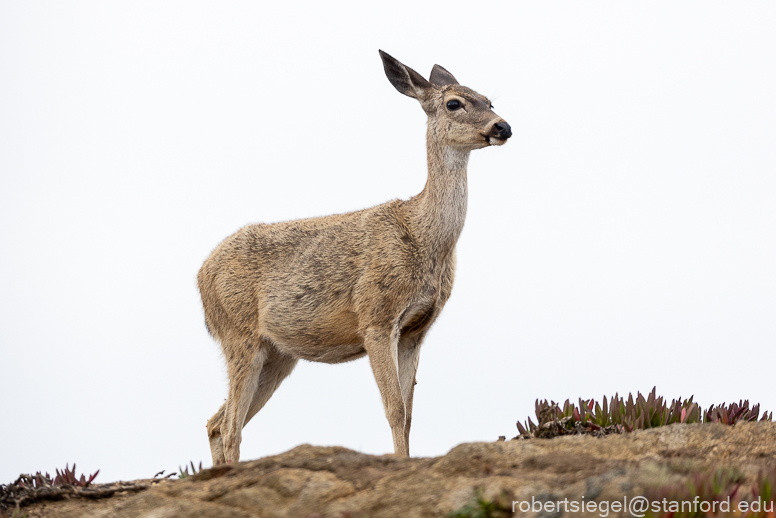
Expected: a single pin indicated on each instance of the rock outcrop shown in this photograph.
(310, 481)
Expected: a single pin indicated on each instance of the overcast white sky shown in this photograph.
(625, 237)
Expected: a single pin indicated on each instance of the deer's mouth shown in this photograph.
(494, 141)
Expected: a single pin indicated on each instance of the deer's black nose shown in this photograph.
(504, 130)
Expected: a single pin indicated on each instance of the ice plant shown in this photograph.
(618, 415)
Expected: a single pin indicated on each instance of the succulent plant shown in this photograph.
(618, 415)
(735, 412)
(718, 493)
(66, 476)
(183, 473)
(30, 488)
(481, 507)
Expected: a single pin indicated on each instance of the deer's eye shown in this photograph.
(453, 105)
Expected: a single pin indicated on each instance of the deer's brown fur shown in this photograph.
(336, 288)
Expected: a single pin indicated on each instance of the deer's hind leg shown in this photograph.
(277, 366)
(214, 435)
(245, 357)
(255, 375)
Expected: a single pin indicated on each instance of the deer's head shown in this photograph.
(459, 116)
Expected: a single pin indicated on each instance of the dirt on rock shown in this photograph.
(334, 482)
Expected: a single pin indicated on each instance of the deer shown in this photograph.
(336, 288)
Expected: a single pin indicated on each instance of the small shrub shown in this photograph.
(28, 488)
(618, 415)
(718, 493)
(734, 413)
(481, 507)
(183, 473)
(66, 476)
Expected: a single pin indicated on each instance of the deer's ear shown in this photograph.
(441, 77)
(404, 79)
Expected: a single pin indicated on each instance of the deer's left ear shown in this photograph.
(441, 77)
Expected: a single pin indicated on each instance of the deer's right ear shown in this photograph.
(404, 79)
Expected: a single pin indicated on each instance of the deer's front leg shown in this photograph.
(409, 353)
(382, 347)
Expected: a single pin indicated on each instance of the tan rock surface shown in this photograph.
(335, 482)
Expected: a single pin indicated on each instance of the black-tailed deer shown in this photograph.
(335, 288)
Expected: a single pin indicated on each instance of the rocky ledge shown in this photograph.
(311, 481)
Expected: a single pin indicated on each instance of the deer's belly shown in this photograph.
(324, 354)
(330, 338)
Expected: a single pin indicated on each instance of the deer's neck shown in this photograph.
(439, 210)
